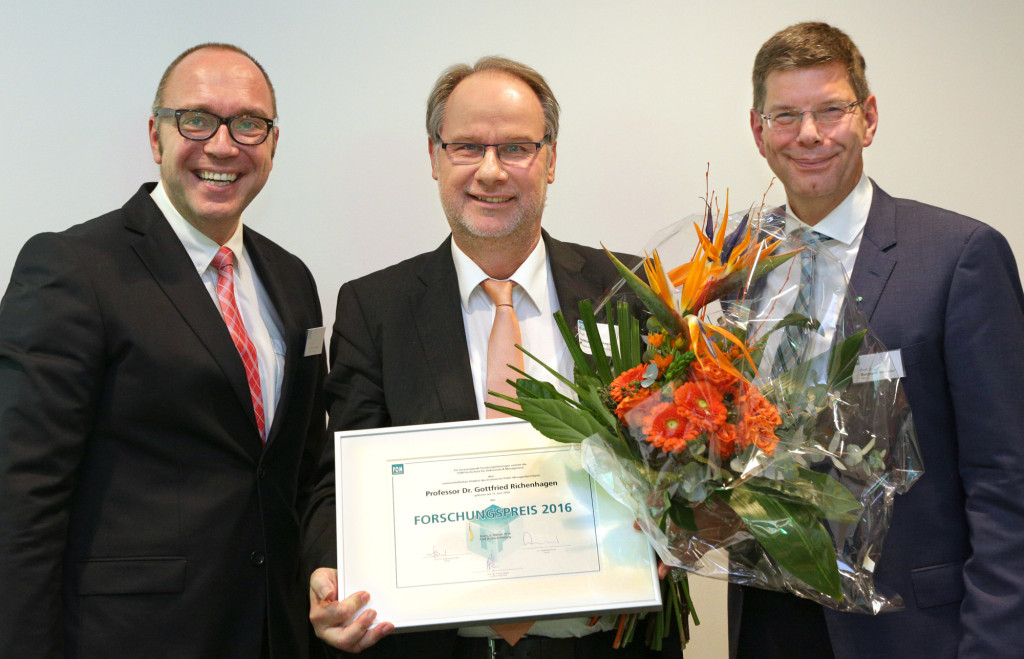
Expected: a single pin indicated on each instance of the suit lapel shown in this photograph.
(571, 284)
(167, 261)
(874, 263)
(437, 314)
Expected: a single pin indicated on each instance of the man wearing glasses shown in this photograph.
(411, 342)
(944, 291)
(160, 402)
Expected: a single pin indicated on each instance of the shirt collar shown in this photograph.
(531, 277)
(200, 248)
(847, 220)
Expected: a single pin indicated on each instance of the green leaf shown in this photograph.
(824, 493)
(792, 535)
(583, 365)
(613, 342)
(682, 516)
(555, 420)
(844, 360)
(604, 371)
(530, 387)
(668, 316)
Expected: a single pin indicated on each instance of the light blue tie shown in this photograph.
(790, 347)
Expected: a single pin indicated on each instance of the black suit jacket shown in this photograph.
(139, 514)
(944, 290)
(399, 357)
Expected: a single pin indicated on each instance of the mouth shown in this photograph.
(492, 199)
(219, 179)
(811, 163)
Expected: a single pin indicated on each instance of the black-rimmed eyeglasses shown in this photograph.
(202, 125)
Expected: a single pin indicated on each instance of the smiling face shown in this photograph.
(211, 182)
(818, 165)
(488, 199)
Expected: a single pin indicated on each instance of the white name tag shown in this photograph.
(878, 366)
(314, 341)
(602, 329)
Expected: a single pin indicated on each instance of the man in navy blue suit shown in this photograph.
(944, 290)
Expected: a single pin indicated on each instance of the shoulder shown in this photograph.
(589, 261)
(412, 272)
(937, 234)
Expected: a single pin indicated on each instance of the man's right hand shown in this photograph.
(333, 620)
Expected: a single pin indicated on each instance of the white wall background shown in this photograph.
(650, 93)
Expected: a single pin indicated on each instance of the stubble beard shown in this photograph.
(520, 225)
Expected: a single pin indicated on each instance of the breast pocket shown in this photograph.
(936, 585)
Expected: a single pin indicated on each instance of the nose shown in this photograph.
(491, 170)
(810, 131)
(221, 145)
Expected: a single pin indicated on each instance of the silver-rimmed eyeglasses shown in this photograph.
(513, 154)
(201, 125)
(790, 120)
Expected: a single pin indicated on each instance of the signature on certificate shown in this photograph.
(529, 540)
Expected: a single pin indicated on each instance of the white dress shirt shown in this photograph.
(841, 232)
(535, 301)
(261, 321)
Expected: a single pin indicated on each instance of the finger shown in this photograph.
(663, 570)
(357, 635)
(323, 585)
(329, 613)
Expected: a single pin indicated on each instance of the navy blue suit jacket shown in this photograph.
(139, 514)
(944, 290)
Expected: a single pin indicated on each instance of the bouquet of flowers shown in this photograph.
(753, 442)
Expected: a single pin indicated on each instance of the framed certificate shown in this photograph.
(455, 524)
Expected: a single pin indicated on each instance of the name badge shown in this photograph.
(602, 329)
(878, 366)
(314, 341)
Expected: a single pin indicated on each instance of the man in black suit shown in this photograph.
(944, 291)
(160, 403)
(410, 342)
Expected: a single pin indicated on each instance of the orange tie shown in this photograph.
(501, 348)
(502, 352)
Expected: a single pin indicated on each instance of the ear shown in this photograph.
(757, 128)
(274, 136)
(551, 162)
(154, 140)
(870, 119)
(433, 150)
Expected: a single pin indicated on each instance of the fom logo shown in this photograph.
(397, 470)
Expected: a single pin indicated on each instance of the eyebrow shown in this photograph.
(251, 112)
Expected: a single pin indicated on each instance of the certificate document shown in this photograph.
(487, 521)
(506, 515)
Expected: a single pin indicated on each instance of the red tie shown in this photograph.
(501, 347)
(226, 295)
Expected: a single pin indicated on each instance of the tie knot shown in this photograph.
(500, 292)
(224, 259)
(809, 235)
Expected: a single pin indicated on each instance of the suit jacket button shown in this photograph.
(257, 558)
(263, 471)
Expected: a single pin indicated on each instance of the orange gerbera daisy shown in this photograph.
(711, 372)
(671, 429)
(627, 390)
(759, 421)
(723, 441)
(703, 405)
